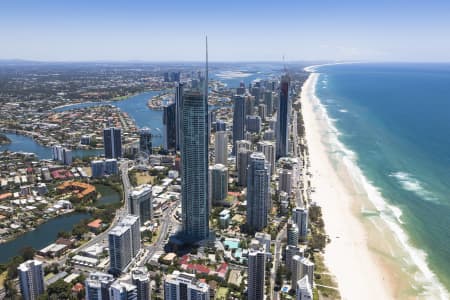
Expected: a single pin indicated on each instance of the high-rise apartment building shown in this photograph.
(184, 286)
(221, 148)
(283, 117)
(140, 203)
(97, 286)
(194, 162)
(141, 279)
(219, 183)
(112, 141)
(145, 140)
(31, 277)
(124, 243)
(170, 126)
(238, 120)
(268, 149)
(300, 217)
(258, 192)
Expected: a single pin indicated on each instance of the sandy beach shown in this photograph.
(358, 272)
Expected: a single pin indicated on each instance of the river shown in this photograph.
(42, 236)
(135, 106)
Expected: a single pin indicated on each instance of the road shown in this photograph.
(276, 261)
(119, 214)
(168, 225)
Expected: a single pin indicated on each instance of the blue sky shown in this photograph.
(245, 30)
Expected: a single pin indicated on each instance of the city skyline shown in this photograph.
(141, 31)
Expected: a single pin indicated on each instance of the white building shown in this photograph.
(303, 290)
(122, 291)
(141, 279)
(140, 203)
(221, 148)
(184, 286)
(300, 217)
(124, 243)
(97, 286)
(268, 149)
(31, 277)
(219, 183)
(257, 257)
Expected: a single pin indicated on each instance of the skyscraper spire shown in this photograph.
(206, 74)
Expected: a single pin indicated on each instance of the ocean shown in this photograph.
(393, 121)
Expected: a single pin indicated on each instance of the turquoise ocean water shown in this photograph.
(396, 119)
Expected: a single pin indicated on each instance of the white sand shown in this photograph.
(357, 270)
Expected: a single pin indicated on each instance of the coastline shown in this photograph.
(359, 218)
(347, 256)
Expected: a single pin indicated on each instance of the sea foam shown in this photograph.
(410, 183)
(390, 214)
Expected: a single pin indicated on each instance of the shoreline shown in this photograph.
(42, 221)
(392, 266)
(348, 238)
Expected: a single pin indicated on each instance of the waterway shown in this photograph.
(42, 236)
(108, 195)
(137, 109)
(135, 106)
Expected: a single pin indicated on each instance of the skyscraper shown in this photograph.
(221, 148)
(238, 120)
(178, 106)
(258, 188)
(296, 270)
(124, 243)
(291, 251)
(141, 279)
(221, 125)
(253, 124)
(184, 286)
(268, 149)
(285, 181)
(256, 273)
(170, 126)
(31, 277)
(120, 290)
(61, 154)
(268, 101)
(145, 140)
(97, 286)
(194, 161)
(292, 234)
(140, 203)
(283, 117)
(219, 183)
(119, 239)
(112, 140)
(300, 217)
(242, 160)
(303, 290)
(308, 270)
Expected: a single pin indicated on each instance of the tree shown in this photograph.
(27, 253)
(64, 234)
(58, 290)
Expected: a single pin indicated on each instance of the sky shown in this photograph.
(245, 30)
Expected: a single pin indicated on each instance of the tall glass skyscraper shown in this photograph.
(112, 140)
(283, 116)
(145, 140)
(178, 104)
(238, 120)
(258, 188)
(170, 126)
(194, 161)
